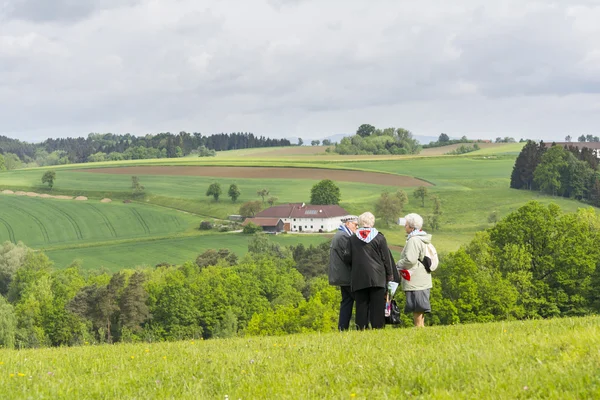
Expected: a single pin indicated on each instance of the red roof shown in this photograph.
(301, 210)
(262, 221)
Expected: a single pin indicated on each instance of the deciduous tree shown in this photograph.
(325, 192)
(49, 177)
(234, 192)
(214, 190)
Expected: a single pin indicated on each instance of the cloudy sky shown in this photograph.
(308, 68)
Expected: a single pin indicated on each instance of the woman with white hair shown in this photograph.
(371, 270)
(416, 281)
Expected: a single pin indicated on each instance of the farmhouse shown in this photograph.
(300, 217)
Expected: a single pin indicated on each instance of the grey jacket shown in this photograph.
(339, 271)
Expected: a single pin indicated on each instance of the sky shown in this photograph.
(300, 68)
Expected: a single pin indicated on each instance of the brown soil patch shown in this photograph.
(105, 201)
(81, 198)
(267, 173)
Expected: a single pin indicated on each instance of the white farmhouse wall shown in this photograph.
(313, 224)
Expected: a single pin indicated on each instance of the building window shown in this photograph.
(294, 219)
(321, 226)
(311, 227)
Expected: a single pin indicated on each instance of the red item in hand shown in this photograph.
(405, 274)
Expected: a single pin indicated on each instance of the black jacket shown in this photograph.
(371, 262)
(339, 270)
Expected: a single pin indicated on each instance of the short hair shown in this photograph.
(366, 220)
(414, 221)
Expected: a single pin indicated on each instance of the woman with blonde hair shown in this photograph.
(371, 270)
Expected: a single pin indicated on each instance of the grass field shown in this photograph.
(471, 187)
(114, 256)
(551, 359)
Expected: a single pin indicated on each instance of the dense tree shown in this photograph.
(386, 141)
(365, 130)
(300, 142)
(2, 163)
(272, 200)
(49, 177)
(132, 304)
(443, 138)
(214, 190)
(525, 165)
(8, 324)
(233, 192)
(250, 208)
(568, 138)
(389, 206)
(325, 192)
(315, 142)
(547, 175)
(212, 257)
(581, 138)
(326, 142)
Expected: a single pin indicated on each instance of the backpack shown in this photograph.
(430, 260)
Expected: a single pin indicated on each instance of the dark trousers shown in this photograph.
(346, 306)
(370, 307)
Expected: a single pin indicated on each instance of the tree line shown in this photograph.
(566, 171)
(109, 146)
(537, 262)
(371, 140)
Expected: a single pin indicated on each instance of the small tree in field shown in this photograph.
(272, 200)
(421, 193)
(263, 193)
(136, 187)
(325, 192)
(49, 177)
(214, 190)
(234, 192)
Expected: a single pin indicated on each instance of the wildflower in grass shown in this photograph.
(352, 394)
(11, 375)
(1, 363)
(192, 342)
(243, 371)
(132, 357)
(21, 374)
(164, 357)
(147, 350)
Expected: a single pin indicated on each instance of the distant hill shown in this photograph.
(338, 137)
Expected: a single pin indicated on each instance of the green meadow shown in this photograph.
(471, 187)
(551, 359)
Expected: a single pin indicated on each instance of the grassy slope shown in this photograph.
(555, 359)
(173, 250)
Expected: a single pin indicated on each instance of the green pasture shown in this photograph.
(43, 223)
(115, 256)
(471, 188)
(550, 359)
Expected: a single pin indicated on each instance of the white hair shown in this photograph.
(414, 221)
(366, 220)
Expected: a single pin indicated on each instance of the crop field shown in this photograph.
(471, 188)
(553, 359)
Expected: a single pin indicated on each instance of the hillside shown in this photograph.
(554, 359)
(471, 187)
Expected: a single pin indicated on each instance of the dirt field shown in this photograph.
(267, 173)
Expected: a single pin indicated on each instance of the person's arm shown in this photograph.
(348, 252)
(410, 255)
(386, 259)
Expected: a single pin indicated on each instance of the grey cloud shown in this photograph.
(290, 65)
(58, 10)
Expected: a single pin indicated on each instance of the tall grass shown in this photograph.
(556, 359)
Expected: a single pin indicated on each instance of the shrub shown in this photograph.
(205, 226)
(251, 228)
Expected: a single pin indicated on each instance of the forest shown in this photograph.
(108, 146)
(566, 171)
